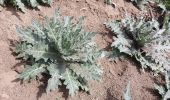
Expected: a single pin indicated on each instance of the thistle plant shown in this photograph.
(61, 49)
(143, 40)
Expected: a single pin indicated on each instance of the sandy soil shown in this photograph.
(115, 76)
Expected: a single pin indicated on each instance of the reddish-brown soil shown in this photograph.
(116, 75)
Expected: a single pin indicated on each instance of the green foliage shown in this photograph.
(164, 91)
(20, 4)
(143, 40)
(61, 49)
(164, 3)
(167, 4)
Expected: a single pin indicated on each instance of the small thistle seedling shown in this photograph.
(61, 49)
(143, 40)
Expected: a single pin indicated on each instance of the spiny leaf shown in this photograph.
(20, 50)
(26, 34)
(33, 3)
(122, 44)
(41, 50)
(71, 82)
(54, 81)
(20, 4)
(161, 89)
(84, 84)
(164, 91)
(32, 71)
(87, 71)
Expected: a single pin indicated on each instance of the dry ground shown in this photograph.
(115, 76)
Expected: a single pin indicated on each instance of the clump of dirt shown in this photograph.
(115, 75)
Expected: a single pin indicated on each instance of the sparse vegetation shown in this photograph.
(59, 49)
